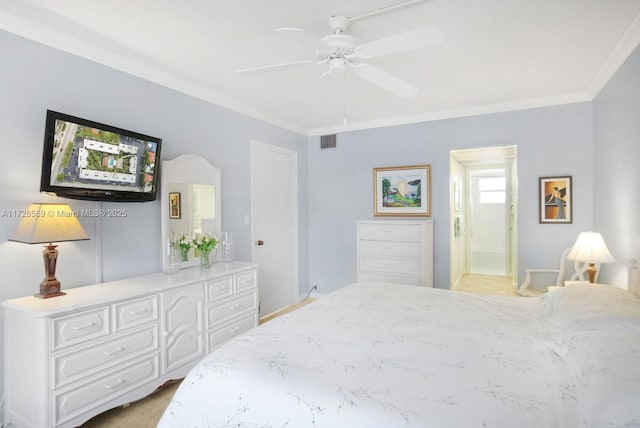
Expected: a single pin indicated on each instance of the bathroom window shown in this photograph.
(492, 190)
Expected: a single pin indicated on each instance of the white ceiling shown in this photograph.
(497, 55)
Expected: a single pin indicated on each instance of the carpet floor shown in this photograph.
(144, 413)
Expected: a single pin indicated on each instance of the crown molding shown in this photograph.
(629, 41)
(456, 113)
(113, 55)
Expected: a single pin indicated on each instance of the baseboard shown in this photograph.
(286, 309)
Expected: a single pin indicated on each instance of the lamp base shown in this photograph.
(46, 296)
(50, 286)
(592, 270)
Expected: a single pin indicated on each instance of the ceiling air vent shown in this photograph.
(328, 142)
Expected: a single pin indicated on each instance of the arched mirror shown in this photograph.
(190, 198)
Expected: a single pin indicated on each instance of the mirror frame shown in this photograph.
(185, 169)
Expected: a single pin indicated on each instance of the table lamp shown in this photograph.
(49, 223)
(590, 248)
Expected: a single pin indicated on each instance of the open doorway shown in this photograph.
(487, 220)
(483, 188)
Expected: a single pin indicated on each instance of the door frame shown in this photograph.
(462, 160)
(255, 147)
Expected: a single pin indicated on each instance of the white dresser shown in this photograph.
(399, 251)
(71, 357)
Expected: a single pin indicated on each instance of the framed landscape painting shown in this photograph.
(556, 204)
(402, 191)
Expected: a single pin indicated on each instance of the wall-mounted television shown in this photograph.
(88, 160)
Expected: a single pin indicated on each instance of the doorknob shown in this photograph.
(260, 242)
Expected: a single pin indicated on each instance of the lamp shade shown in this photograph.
(46, 223)
(590, 247)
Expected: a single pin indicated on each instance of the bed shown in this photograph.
(391, 355)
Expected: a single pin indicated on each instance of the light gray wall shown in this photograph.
(617, 173)
(551, 141)
(34, 78)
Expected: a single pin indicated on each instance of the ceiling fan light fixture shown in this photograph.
(337, 64)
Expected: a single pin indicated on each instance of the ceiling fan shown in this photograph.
(341, 51)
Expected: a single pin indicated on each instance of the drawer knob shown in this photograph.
(139, 311)
(115, 351)
(234, 307)
(235, 329)
(84, 326)
(114, 384)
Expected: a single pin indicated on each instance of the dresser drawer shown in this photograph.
(227, 331)
(80, 327)
(78, 399)
(245, 281)
(219, 289)
(406, 265)
(389, 248)
(231, 308)
(76, 364)
(394, 231)
(135, 312)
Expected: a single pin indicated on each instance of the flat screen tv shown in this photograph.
(88, 160)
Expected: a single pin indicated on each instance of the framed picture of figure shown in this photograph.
(556, 200)
(174, 205)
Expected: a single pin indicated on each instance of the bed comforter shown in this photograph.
(390, 355)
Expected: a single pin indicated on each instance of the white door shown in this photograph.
(274, 212)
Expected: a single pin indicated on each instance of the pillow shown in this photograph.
(592, 307)
(606, 369)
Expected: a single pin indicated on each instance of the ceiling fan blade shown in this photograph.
(302, 36)
(281, 66)
(385, 80)
(403, 42)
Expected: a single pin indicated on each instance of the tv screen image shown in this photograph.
(83, 159)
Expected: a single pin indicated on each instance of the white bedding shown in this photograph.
(386, 355)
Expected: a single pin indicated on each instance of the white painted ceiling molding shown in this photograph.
(628, 43)
(496, 56)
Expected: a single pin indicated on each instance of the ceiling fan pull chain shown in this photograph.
(344, 96)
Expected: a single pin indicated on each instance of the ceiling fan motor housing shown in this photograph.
(338, 23)
(341, 43)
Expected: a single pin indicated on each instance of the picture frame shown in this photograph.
(556, 200)
(402, 191)
(175, 210)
